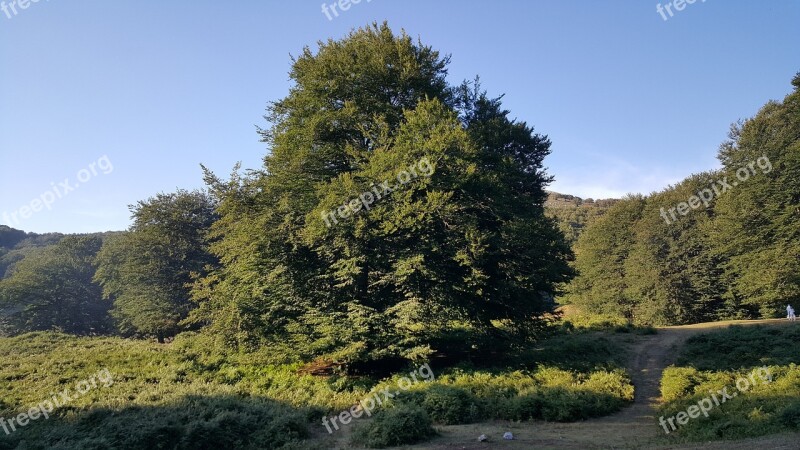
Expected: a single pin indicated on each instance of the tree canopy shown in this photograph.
(734, 254)
(146, 271)
(462, 247)
(52, 289)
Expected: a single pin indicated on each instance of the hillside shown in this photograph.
(574, 213)
(16, 244)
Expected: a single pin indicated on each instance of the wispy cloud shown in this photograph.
(605, 176)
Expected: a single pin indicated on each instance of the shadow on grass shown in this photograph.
(564, 349)
(194, 422)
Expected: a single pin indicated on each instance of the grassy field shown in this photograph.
(635, 426)
(755, 366)
(569, 391)
(132, 394)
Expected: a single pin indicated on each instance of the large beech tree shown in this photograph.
(463, 251)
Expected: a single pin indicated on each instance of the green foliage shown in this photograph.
(735, 257)
(756, 224)
(196, 392)
(573, 214)
(790, 416)
(678, 382)
(447, 405)
(146, 270)
(189, 423)
(52, 289)
(158, 399)
(465, 245)
(16, 244)
(718, 360)
(581, 351)
(739, 347)
(547, 393)
(9, 237)
(764, 408)
(403, 425)
(671, 269)
(600, 256)
(582, 323)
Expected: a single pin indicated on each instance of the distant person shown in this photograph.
(790, 313)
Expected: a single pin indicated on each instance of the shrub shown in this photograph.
(548, 393)
(191, 395)
(612, 383)
(790, 417)
(719, 359)
(560, 405)
(582, 352)
(401, 425)
(449, 406)
(523, 407)
(741, 347)
(563, 405)
(677, 382)
(283, 430)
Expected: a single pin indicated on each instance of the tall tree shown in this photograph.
(738, 256)
(600, 260)
(147, 270)
(461, 242)
(671, 270)
(757, 219)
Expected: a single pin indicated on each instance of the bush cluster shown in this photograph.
(713, 361)
(192, 395)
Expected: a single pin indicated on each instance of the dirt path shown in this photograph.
(634, 427)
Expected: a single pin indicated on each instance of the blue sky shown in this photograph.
(131, 97)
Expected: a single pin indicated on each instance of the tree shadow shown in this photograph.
(193, 422)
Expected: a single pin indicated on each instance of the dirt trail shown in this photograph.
(634, 427)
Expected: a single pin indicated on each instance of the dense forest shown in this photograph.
(719, 245)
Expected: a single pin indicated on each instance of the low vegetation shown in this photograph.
(582, 323)
(395, 426)
(190, 394)
(710, 362)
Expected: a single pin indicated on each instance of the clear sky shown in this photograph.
(124, 99)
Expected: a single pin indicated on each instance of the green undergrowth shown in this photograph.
(754, 365)
(191, 394)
